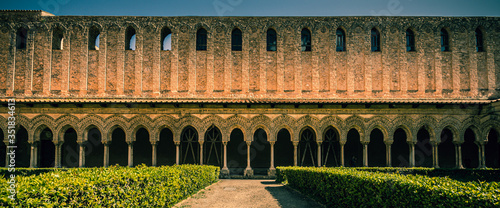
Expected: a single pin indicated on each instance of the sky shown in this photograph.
(260, 7)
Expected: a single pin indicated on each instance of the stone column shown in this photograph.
(130, 154)
(412, 153)
(33, 155)
(153, 153)
(201, 152)
(7, 156)
(295, 159)
(435, 156)
(480, 146)
(272, 170)
(483, 158)
(458, 155)
(177, 152)
(342, 143)
(57, 163)
(106, 154)
(319, 154)
(365, 153)
(248, 170)
(225, 170)
(81, 155)
(388, 153)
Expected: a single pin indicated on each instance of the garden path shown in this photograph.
(247, 193)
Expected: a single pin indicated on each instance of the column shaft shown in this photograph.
(342, 154)
(412, 154)
(177, 152)
(81, 156)
(365, 154)
(319, 154)
(272, 155)
(153, 151)
(295, 153)
(130, 154)
(33, 155)
(388, 154)
(106, 154)
(201, 153)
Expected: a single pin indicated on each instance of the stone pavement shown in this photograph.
(247, 193)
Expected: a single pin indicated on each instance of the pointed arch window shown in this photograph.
(94, 35)
(57, 39)
(272, 40)
(21, 36)
(410, 40)
(236, 40)
(341, 45)
(130, 39)
(201, 40)
(445, 40)
(166, 39)
(479, 40)
(375, 40)
(305, 37)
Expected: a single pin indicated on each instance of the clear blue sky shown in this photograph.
(261, 7)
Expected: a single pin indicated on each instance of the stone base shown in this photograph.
(271, 172)
(224, 173)
(249, 172)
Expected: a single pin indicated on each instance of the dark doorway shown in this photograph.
(423, 149)
(166, 148)
(353, 150)
(190, 148)
(94, 149)
(212, 147)
(23, 150)
(283, 149)
(70, 150)
(492, 150)
(118, 149)
(376, 149)
(307, 149)
(446, 150)
(330, 148)
(236, 153)
(142, 148)
(470, 151)
(260, 153)
(47, 149)
(400, 151)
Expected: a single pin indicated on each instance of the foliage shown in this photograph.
(464, 175)
(113, 186)
(348, 187)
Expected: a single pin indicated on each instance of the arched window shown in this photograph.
(130, 38)
(94, 38)
(341, 40)
(236, 40)
(166, 39)
(305, 37)
(272, 40)
(445, 40)
(201, 40)
(21, 35)
(57, 39)
(375, 40)
(479, 40)
(410, 40)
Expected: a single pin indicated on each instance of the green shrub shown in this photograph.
(348, 187)
(27, 171)
(113, 186)
(464, 175)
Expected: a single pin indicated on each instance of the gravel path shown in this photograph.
(247, 193)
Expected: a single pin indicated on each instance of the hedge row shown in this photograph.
(113, 186)
(464, 175)
(348, 187)
(28, 171)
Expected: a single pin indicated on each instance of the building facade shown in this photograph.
(250, 93)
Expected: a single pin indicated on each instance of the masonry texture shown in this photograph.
(233, 108)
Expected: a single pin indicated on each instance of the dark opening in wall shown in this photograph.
(353, 150)
(479, 40)
(94, 35)
(166, 148)
(410, 40)
(21, 38)
(47, 149)
(23, 150)
(330, 149)
(445, 40)
(376, 149)
(305, 37)
(118, 149)
(400, 150)
(236, 153)
(423, 149)
(94, 149)
(70, 150)
(2, 150)
(57, 38)
(260, 153)
(166, 39)
(341, 44)
(236, 40)
(470, 151)
(492, 150)
(307, 149)
(375, 40)
(190, 148)
(446, 150)
(212, 148)
(142, 148)
(272, 40)
(201, 40)
(283, 149)
(130, 38)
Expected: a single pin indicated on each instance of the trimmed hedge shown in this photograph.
(348, 187)
(28, 171)
(464, 175)
(113, 186)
